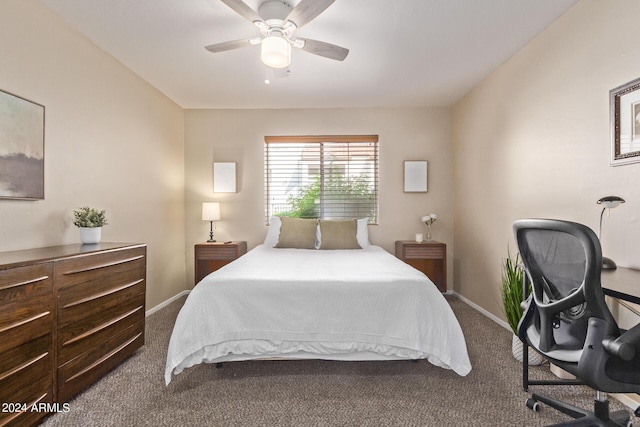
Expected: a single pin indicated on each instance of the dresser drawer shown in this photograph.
(423, 252)
(21, 323)
(83, 302)
(25, 282)
(78, 373)
(30, 376)
(80, 338)
(96, 272)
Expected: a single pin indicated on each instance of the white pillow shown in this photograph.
(274, 232)
(362, 232)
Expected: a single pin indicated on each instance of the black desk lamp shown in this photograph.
(608, 202)
(211, 213)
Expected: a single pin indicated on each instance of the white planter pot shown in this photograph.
(90, 235)
(517, 347)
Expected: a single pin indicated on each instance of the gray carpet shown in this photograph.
(320, 393)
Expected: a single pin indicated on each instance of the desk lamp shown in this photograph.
(608, 202)
(211, 213)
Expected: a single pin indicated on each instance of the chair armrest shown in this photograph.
(624, 346)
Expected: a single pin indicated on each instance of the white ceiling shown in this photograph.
(403, 53)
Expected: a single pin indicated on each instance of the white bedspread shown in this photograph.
(295, 303)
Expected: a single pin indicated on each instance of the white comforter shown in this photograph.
(295, 303)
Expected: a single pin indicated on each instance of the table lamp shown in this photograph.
(211, 213)
(608, 202)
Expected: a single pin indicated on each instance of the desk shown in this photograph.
(621, 283)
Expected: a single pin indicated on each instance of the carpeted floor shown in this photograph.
(320, 393)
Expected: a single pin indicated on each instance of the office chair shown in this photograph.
(567, 320)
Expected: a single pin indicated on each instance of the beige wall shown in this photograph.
(238, 136)
(111, 141)
(532, 140)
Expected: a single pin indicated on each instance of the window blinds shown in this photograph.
(329, 177)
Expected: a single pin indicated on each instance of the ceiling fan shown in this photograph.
(277, 23)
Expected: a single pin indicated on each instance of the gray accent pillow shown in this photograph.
(339, 234)
(297, 233)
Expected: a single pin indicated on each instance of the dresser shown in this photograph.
(211, 256)
(430, 257)
(68, 315)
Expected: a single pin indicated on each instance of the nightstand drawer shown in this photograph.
(423, 252)
(218, 252)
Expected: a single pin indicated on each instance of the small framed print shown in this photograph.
(224, 177)
(415, 176)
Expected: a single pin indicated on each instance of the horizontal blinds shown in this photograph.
(322, 177)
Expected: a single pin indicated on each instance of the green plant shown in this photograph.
(339, 189)
(89, 217)
(512, 290)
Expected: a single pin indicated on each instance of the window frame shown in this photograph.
(319, 139)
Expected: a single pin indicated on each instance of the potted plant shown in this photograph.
(90, 222)
(512, 297)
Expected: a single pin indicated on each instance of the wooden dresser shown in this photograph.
(68, 315)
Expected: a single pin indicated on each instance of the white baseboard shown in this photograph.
(483, 311)
(166, 303)
(630, 400)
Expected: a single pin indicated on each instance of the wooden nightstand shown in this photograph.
(428, 257)
(211, 256)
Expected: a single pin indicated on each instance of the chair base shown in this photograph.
(599, 417)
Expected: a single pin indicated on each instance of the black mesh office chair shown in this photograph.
(566, 318)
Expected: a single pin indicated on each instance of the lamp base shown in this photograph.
(608, 264)
(211, 239)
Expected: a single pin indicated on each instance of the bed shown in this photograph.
(340, 304)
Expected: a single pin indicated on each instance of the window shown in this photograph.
(329, 177)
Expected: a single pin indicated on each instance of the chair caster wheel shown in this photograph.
(533, 404)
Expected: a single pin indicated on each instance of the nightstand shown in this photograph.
(429, 257)
(211, 256)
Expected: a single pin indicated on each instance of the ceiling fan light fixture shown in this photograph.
(276, 52)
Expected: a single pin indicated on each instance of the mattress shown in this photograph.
(321, 304)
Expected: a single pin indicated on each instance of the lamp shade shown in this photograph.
(610, 202)
(275, 52)
(210, 211)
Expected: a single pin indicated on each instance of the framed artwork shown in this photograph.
(21, 148)
(415, 176)
(224, 177)
(625, 123)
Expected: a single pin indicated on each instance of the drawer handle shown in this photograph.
(27, 282)
(23, 366)
(102, 294)
(102, 359)
(25, 321)
(105, 265)
(101, 327)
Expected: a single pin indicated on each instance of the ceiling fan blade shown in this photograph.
(306, 10)
(327, 50)
(243, 10)
(221, 47)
